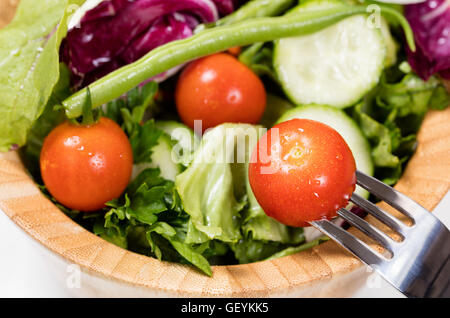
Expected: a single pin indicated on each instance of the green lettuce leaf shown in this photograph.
(49, 119)
(250, 251)
(29, 65)
(297, 249)
(259, 58)
(143, 138)
(147, 202)
(216, 193)
(114, 226)
(149, 219)
(130, 112)
(391, 115)
(212, 188)
(187, 252)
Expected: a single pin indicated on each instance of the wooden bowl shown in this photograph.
(107, 270)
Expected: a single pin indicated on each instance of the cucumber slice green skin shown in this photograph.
(392, 46)
(161, 158)
(184, 138)
(336, 66)
(173, 152)
(346, 127)
(188, 139)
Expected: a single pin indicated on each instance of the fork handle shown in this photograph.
(440, 288)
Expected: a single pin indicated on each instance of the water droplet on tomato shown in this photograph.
(97, 161)
(208, 76)
(234, 96)
(72, 141)
(320, 181)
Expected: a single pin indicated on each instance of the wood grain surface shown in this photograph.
(426, 179)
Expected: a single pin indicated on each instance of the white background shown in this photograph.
(24, 272)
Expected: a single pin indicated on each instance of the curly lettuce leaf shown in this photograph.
(259, 58)
(114, 226)
(143, 139)
(186, 251)
(139, 103)
(29, 65)
(391, 115)
(149, 219)
(130, 112)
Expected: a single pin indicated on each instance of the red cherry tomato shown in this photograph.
(302, 171)
(84, 167)
(235, 51)
(219, 89)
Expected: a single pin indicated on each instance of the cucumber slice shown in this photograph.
(161, 158)
(345, 126)
(391, 45)
(185, 138)
(336, 66)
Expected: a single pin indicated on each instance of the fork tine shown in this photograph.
(380, 214)
(349, 242)
(368, 229)
(391, 196)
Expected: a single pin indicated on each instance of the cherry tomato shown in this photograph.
(235, 51)
(219, 89)
(302, 171)
(84, 167)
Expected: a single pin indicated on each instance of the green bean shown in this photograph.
(211, 41)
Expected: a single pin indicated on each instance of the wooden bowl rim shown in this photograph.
(22, 201)
(25, 205)
(41, 219)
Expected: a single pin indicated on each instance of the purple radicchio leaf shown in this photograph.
(118, 32)
(430, 22)
(225, 7)
(358, 212)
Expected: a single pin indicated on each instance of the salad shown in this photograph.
(147, 121)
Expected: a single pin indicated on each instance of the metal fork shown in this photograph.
(419, 265)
